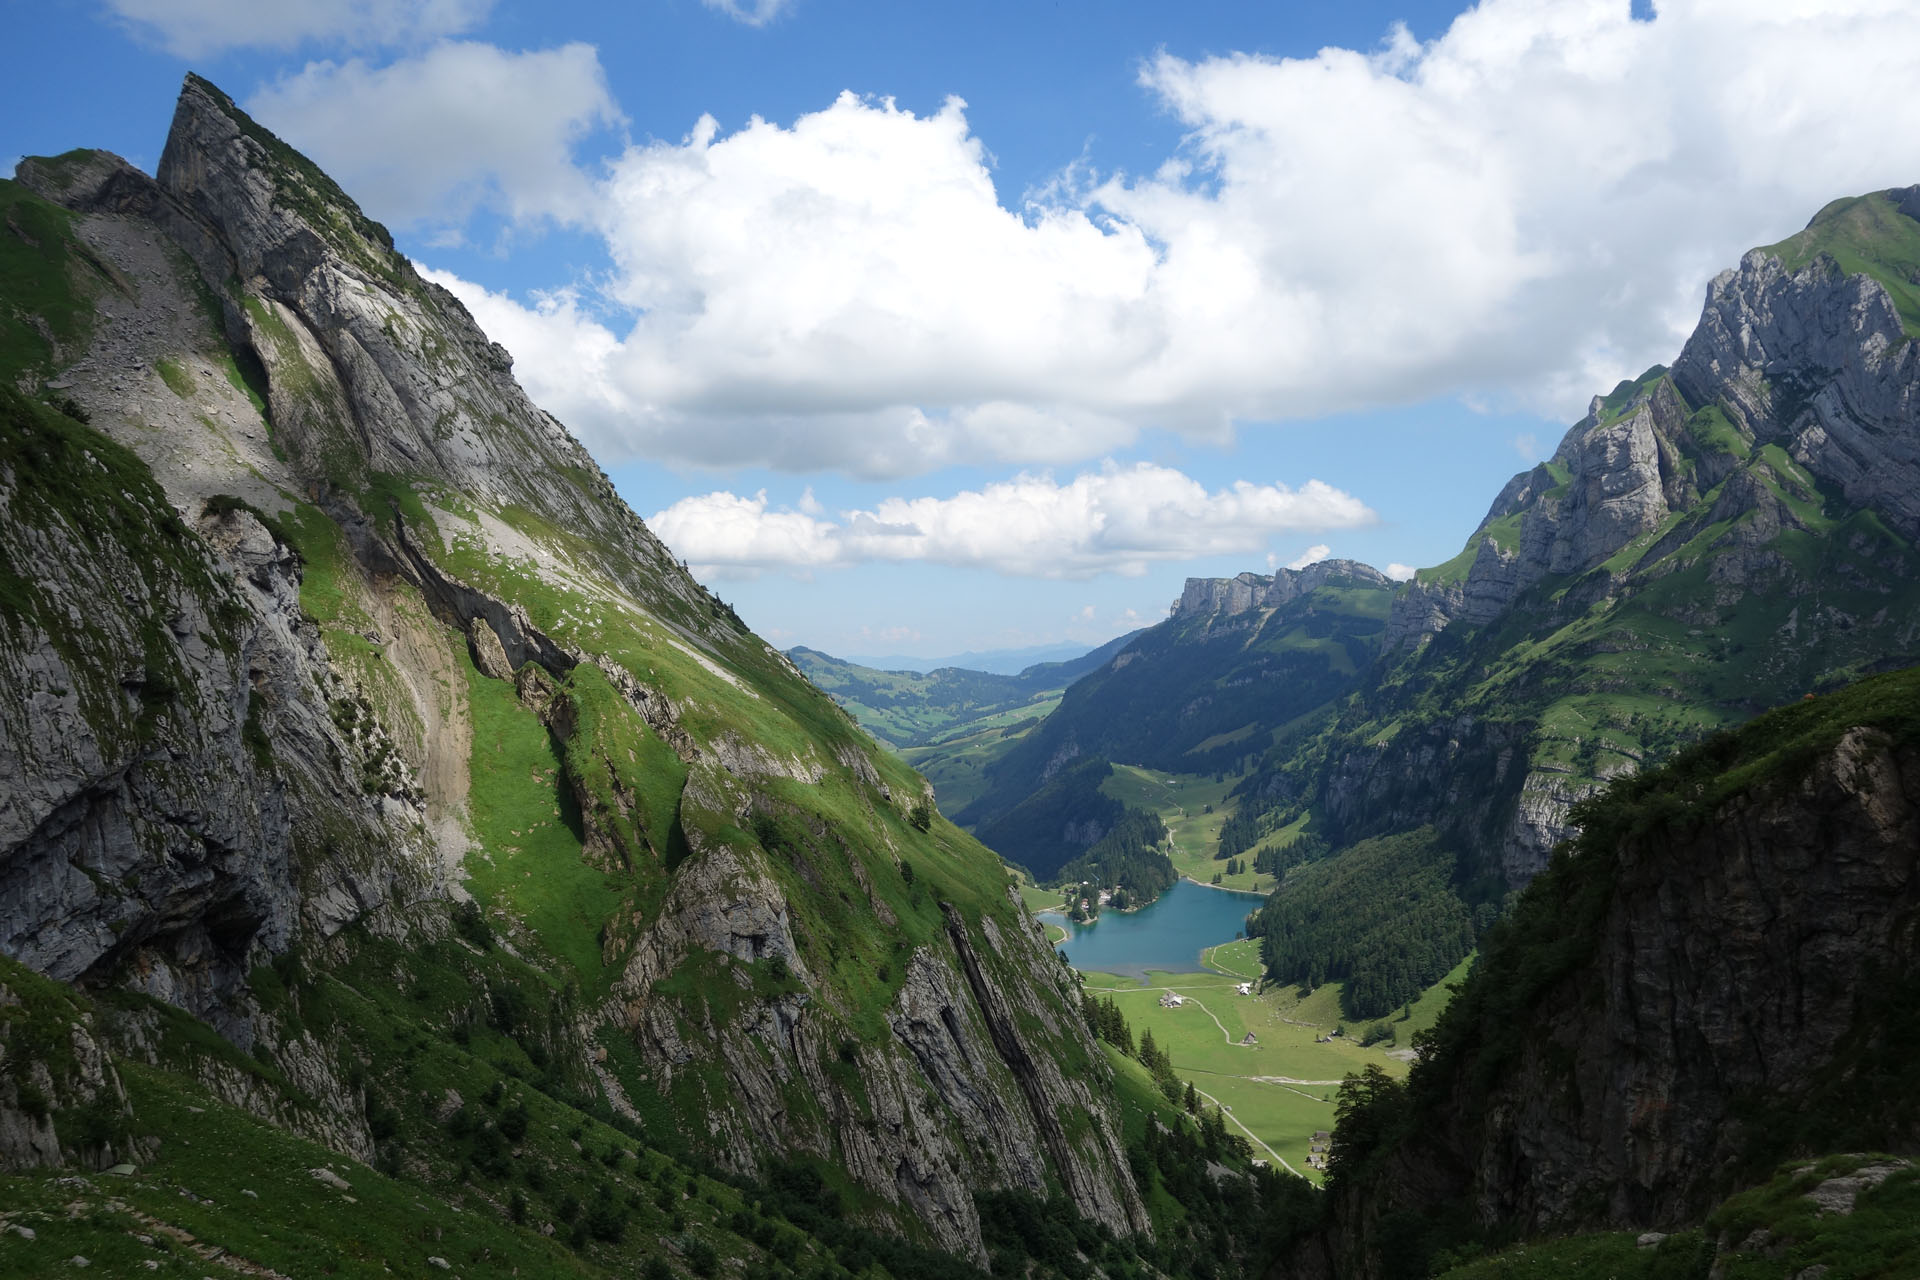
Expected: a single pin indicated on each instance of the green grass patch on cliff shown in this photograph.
(1864, 235)
(47, 275)
(178, 380)
(529, 860)
(633, 778)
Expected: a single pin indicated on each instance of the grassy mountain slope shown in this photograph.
(1873, 235)
(394, 747)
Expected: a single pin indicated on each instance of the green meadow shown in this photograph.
(1281, 1089)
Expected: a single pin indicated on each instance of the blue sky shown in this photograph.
(926, 328)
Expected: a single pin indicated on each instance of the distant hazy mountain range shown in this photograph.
(1001, 662)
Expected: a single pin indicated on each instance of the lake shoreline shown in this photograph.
(1168, 934)
(1221, 888)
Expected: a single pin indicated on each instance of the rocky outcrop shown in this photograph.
(1810, 358)
(1817, 361)
(959, 1097)
(1794, 405)
(1467, 769)
(1617, 474)
(61, 1101)
(370, 367)
(1737, 969)
(176, 776)
(1248, 592)
(1090, 1167)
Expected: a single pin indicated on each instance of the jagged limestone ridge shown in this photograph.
(1249, 591)
(1743, 509)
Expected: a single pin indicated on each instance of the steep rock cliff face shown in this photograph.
(1248, 592)
(1707, 986)
(1730, 967)
(179, 798)
(1820, 362)
(321, 628)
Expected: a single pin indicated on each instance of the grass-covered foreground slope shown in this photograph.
(483, 1165)
(1855, 1214)
(1717, 977)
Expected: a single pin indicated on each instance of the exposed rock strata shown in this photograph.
(1667, 472)
(230, 787)
(1248, 592)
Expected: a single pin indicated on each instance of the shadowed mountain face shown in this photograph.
(330, 657)
(1717, 976)
(1204, 691)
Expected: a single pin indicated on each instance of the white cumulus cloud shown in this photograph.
(200, 28)
(1112, 520)
(1525, 208)
(755, 13)
(1399, 572)
(1312, 555)
(431, 138)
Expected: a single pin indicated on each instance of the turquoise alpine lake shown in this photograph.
(1169, 935)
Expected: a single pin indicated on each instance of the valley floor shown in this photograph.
(1280, 1090)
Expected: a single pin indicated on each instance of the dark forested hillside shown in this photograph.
(1718, 975)
(1058, 822)
(1205, 690)
(1383, 917)
(1129, 858)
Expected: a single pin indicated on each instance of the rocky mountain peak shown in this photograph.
(323, 641)
(1735, 529)
(1808, 344)
(282, 215)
